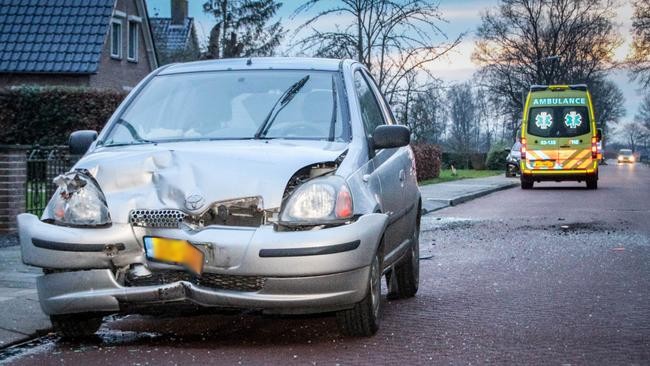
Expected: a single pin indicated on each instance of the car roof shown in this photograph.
(256, 63)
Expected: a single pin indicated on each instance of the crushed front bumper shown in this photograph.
(303, 271)
(98, 291)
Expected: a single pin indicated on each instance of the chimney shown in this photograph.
(179, 12)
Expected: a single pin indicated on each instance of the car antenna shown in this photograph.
(249, 61)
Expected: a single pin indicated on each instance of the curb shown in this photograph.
(440, 203)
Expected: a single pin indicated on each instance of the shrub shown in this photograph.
(496, 157)
(427, 160)
(47, 115)
(478, 160)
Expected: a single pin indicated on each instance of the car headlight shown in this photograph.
(78, 201)
(319, 201)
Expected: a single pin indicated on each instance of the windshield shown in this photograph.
(625, 152)
(233, 105)
(558, 121)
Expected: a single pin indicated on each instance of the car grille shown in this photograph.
(157, 218)
(212, 280)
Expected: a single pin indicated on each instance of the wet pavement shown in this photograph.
(556, 275)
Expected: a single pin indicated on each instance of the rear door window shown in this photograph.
(558, 121)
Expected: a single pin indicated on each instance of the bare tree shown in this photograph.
(394, 39)
(608, 103)
(427, 114)
(462, 119)
(525, 42)
(633, 133)
(242, 28)
(639, 58)
(643, 114)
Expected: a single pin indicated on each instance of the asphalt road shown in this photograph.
(556, 275)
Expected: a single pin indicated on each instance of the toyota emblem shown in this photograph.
(194, 202)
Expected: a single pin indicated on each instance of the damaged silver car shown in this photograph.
(279, 185)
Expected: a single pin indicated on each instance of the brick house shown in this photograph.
(175, 37)
(91, 43)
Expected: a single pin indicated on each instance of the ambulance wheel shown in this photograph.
(527, 183)
(592, 182)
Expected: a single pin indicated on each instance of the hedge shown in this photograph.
(496, 158)
(427, 160)
(464, 161)
(47, 115)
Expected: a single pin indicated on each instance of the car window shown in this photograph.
(371, 113)
(558, 121)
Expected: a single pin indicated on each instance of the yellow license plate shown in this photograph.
(174, 251)
(544, 164)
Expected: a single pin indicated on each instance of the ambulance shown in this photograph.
(559, 139)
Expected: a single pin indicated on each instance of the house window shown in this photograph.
(132, 50)
(116, 38)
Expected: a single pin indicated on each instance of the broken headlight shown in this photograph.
(78, 201)
(318, 201)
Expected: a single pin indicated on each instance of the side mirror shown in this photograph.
(599, 135)
(390, 136)
(80, 141)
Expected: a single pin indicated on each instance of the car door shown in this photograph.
(388, 163)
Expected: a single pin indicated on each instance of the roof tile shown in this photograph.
(53, 35)
(170, 37)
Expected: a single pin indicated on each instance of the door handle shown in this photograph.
(402, 175)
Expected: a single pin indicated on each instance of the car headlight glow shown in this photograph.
(78, 201)
(321, 200)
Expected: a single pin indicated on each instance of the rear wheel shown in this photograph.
(592, 182)
(526, 183)
(76, 325)
(363, 319)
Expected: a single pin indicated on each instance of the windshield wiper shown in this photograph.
(134, 134)
(284, 99)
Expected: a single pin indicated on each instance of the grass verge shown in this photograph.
(446, 176)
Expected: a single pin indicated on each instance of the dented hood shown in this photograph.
(164, 175)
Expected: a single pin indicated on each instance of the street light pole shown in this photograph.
(538, 63)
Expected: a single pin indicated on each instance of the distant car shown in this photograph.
(626, 156)
(513, 160)
(273, 184)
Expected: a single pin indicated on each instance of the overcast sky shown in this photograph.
(461, 15)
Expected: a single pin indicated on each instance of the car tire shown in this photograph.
(406, 275)
(592, 182)
(75, 326)
(363, 319)
(527, 183)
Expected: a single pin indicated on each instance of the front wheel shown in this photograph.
(76, 325)
(404, 279)
(363, 319)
